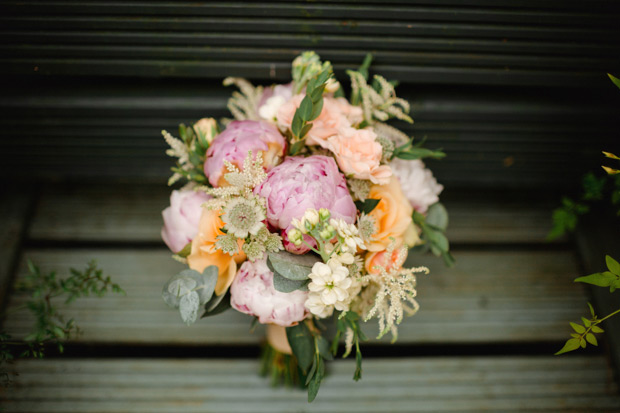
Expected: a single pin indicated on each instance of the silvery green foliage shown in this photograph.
(189, 290)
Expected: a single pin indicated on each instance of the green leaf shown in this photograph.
(363, 69)
(297, 124)
(302, 343)
(592, 310)
(302, 135)
(600, 279)
(570, 345)
(217, 305)
(316, 109)
(291, 266)
(315, 383)
(612, 265)
(305, 109)
(597, 329)
(367, 205)
(316, 94)
(413, 153)
(323, 347)
(437, 216)
(578, 328)
(297, 146)
(187, 249)
(614, 79)
(586, 322)
(591, 339)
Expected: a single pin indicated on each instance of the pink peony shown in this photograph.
(181, 218)
(252, 293)
(418, 183)
(359, 155)
(336, 114)
(301, 183)
(234, 143)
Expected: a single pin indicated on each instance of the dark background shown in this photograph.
(515, 92)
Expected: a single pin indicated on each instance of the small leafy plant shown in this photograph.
(51, 328)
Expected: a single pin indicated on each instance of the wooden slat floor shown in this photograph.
(510, 296)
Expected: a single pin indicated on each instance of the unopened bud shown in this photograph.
(324, 214)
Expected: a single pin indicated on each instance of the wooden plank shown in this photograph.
(15, 207)
(504, 296)
(132, 213)
(477, 384)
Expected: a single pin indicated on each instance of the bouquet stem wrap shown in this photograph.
(276, 337)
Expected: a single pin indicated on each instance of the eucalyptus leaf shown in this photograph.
(291, 266)
(284, 285)
(217, 305)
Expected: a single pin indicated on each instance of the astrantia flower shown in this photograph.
(253, 293)
(242, 217)
(418, 183)
(234, 143)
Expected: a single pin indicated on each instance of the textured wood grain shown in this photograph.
(474, 384)
(489, 297)
(132, 213)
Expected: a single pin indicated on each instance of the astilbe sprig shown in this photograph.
(243, 104)
(395, 288)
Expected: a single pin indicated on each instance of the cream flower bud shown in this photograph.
(324, 214)
(311, 216)
(332, 85)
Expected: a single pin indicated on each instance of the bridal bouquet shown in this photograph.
(303, 209)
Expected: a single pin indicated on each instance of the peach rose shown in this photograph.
(208, 127)
(380, 258)
(332, 118)
(359, 155)
(392, 217)
(204, 253)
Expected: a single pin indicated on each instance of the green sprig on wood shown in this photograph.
(51, 329)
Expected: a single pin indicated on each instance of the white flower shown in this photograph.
(269, 110)
(350, 235)
(331, 280)
(317, 307)
(418, 183)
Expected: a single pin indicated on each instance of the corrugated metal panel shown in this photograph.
(534, 43)
(494, 137)
(513, 384)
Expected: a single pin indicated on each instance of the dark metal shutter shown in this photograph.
(515, 92)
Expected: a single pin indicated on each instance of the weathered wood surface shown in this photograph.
(503, 296)
(132, 213)
(497, 384)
